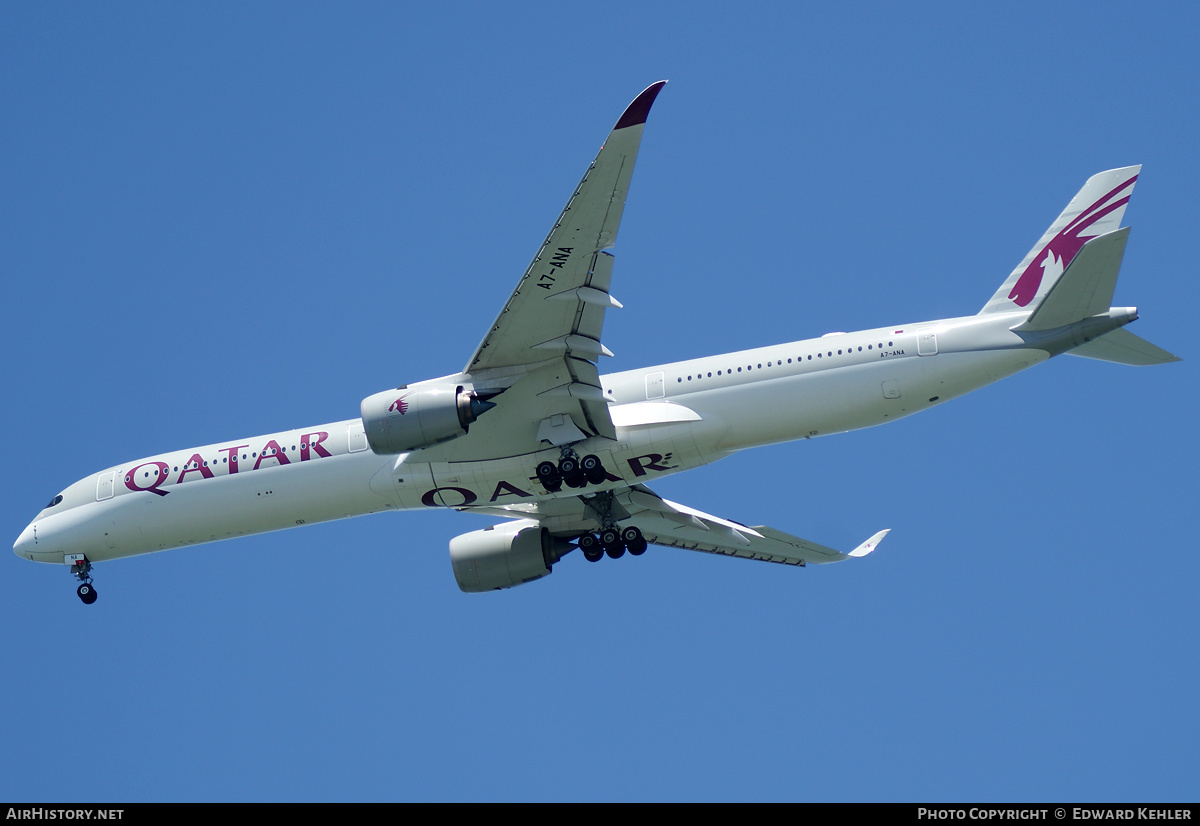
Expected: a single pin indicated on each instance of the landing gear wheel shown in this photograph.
(81, 569)
(568, 468)
(590, 545)
(634, 541)
(593, 469)
(547, 474)
(610, 538)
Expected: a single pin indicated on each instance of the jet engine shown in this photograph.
(407, 419)
(504, 555)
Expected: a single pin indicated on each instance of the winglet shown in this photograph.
(638, 110)
(868, 546)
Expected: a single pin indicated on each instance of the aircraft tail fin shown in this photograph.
(1123, 347)
(1085, 291)
(1095, 210)
(1086, 288)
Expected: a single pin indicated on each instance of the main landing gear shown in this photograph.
(579, 473)
(81, 569)
(571, 471)
(611, 540)
(614, 542)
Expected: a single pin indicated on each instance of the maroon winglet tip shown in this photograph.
(640, 108)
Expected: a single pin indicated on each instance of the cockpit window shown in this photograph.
(55, 501)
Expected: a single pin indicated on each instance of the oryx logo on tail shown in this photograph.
(1056, 256)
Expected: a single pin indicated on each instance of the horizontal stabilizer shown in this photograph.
(1086, 288)
(1123, 347)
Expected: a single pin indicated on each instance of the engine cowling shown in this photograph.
(411, 418)
(504, 555)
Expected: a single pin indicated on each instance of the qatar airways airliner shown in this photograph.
(530, 431)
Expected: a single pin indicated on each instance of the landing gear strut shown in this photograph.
(81, 569)
(611, 540)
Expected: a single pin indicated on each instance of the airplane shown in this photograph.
(529, 431)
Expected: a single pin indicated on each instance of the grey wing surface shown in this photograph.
(671, 524)
(537, 361)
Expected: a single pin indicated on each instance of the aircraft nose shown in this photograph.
(23, 547)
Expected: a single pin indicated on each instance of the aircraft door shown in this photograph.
(356, 438)
(655, 384)
(927, 343)
(104, 485)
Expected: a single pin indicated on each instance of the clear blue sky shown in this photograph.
(221, 220)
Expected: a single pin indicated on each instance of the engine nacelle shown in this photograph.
(504, 555)
(407, 419)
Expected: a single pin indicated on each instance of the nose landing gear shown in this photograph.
(81, 569)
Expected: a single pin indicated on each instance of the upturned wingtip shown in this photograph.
(870, 545)
(637, 111)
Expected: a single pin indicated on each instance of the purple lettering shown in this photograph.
(195, 465)
(312, 441)
(272, 450)
(432, 499)
(233, 456)
(639, 467)
(160, 476)
(505, 489)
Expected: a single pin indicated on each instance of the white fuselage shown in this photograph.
(668, 418)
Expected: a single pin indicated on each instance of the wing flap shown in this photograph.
(586, 388)
(590, 322)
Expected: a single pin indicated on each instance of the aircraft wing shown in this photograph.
(548, 334)
(663, 522)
